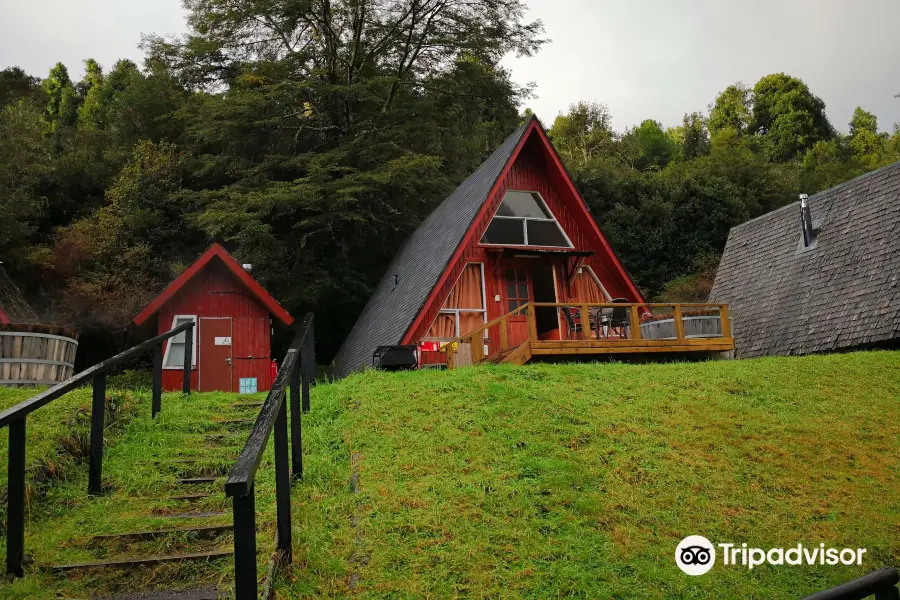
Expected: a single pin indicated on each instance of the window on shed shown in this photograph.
(523, 219)
(174, 358)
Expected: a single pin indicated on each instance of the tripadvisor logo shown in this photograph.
(696, 555)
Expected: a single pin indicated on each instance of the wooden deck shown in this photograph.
(642, 329)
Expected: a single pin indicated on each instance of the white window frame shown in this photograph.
(456, 311)
(525, 220)
(193, 344)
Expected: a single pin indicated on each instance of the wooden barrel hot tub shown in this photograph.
(32, 355)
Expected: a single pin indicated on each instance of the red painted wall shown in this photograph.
(529, 172)
(215, 292)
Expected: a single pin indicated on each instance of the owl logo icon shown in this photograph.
(695, 555)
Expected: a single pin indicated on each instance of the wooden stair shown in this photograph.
(520, 355)
(148, 555)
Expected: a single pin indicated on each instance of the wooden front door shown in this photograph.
(517, 290)
(215, 355)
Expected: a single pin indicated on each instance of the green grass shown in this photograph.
(579, 480)
(141, 463)
(535, 482)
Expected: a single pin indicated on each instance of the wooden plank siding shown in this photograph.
(216, 292)
(529, 172)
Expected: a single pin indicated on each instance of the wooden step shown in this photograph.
(172, 595)
(146, 560)
(188, 497)
(201, 532)
(197, 515)
(195, 480)
(180, 497)
(519, 356)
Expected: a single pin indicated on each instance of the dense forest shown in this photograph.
(311, 137)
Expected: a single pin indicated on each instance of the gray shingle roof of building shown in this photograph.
(12, 303)
(842, 292)
(419, 264)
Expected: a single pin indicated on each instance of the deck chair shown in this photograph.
(617, 318)
(574, 326)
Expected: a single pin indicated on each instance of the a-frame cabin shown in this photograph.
(516, 231)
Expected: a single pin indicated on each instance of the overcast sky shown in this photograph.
(644, 59)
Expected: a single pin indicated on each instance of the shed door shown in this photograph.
(215, 355)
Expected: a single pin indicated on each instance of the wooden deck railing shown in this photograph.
(611, 325)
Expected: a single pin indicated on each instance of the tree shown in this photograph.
(866, 143)
(584, 133)
(731, 110)
(91, 90)
(24, 159)
(62, 102)
(323, 133)
(654, 149)
(16, 84)
(694, 136)
(115, 259)
(788, 117)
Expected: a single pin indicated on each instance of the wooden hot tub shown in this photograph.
(32, 355)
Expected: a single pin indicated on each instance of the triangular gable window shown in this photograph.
(523, 219)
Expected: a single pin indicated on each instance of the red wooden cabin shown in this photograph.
(234, 317)
(517, 231)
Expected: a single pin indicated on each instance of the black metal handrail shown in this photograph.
(297, 371)
(14, 417)
(881, 583)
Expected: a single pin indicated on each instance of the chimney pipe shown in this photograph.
(806, 221)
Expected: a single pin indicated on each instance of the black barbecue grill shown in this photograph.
(395, 358)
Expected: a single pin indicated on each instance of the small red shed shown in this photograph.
(234, 317)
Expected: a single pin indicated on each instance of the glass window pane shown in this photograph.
(467, 292)
(176, 355)
(179, 321)
(522, 204)
(545, 233)
(504, 231)
(523, 290)
(510, 290)
(513, 305)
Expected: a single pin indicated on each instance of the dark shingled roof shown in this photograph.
(12, 303)
(419, 264)
(842, 292)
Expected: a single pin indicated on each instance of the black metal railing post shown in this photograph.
(283, 485)
(157, 379)
(14, 418)
(244, 519)
(98, 414)
(307, 362)
(284, 395)
(15, 500)
(188, 359)
(296, 424)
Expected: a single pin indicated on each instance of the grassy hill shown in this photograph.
(535, 481)
(580, 480)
